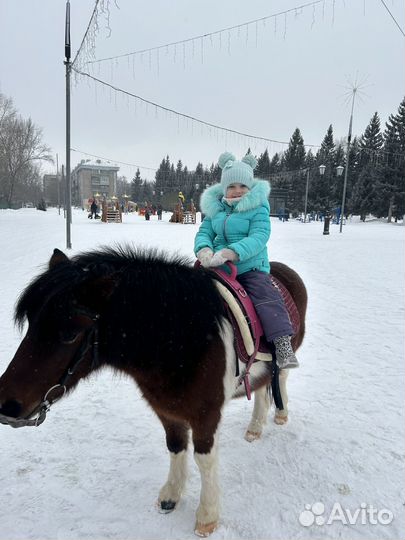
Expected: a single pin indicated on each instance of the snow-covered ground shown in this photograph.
(94, 468)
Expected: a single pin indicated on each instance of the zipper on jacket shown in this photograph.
(225, 220)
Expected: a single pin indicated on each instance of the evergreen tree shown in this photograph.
(136, 187)
(294, 156)
(262, 169)
(147, 191)
(365, 197)
(275, 164)
(391, 187)
(179, 173)
(320, 195)
(161, 176)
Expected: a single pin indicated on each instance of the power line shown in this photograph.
(393, 18)
(208, 35)
(188, 117)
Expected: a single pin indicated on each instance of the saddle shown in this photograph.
(250, 342)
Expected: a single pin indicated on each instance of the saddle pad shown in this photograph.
(240, 320)
(291, 306)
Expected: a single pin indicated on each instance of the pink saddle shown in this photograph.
(248, 309)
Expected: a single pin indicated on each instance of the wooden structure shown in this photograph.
(183, 215)
(111, 212)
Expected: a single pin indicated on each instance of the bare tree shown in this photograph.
(21, 147)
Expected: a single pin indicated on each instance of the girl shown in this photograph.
(236, 228)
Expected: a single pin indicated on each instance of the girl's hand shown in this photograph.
(205, 256)
(220, 257)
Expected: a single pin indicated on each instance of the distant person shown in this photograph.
(159, 211)
(93, 210)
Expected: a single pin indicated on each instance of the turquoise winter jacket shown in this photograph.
(243, 227)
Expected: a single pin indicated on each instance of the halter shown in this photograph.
(38, 415)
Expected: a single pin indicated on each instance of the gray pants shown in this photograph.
(268, 303)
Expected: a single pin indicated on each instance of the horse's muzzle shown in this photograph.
(9, 415)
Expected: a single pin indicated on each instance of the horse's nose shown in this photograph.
(11, 408)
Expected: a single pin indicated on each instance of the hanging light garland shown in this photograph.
(199, 42)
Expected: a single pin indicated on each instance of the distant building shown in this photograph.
(50, 186)
(93, 178)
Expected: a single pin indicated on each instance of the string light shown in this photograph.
(228, 29)
(182, 115)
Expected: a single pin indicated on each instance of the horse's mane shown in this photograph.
(152, 289)
(59, 280)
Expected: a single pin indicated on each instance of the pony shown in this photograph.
(84, 313)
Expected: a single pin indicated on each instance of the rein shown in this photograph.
(38, 415)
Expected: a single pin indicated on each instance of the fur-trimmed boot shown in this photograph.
(285, 356)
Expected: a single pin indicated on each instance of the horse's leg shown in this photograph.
(281, 416)
(206, 457)
(204, 429)
(259, 415)
(176, 440)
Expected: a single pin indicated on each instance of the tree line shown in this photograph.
(375, 180)
(21, 152)
(376, 174)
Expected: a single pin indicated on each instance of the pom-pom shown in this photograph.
(224, 158)
(250, 160)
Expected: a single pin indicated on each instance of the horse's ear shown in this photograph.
(57, 257)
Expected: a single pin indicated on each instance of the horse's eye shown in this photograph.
(69, 337)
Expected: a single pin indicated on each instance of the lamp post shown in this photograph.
(339, 170)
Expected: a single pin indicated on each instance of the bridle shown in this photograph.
(38, 415)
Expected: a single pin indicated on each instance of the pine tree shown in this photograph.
(136, 187)
(320, 195)
(275, 164)
(365, 197)
(147, 191)
(391, 187)
(262, 169)
(294, 156)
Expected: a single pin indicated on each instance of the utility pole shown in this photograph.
(68, 179)
(57, 182)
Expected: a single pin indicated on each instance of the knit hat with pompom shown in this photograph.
(236, 172)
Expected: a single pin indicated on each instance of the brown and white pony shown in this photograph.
(160, 321)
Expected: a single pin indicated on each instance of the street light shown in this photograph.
(339, 170)
(322, 169)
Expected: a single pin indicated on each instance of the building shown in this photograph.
(93, 178)
(53, 192)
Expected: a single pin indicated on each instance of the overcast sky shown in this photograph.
(286, 72)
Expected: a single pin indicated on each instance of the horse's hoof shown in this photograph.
(280, 420)
(165, 507)
(251, 436)
(205, 529)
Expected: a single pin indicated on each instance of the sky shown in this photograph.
(264, 80)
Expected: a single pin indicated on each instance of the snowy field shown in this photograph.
(94, 468)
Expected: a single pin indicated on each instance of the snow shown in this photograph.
(95, 467)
